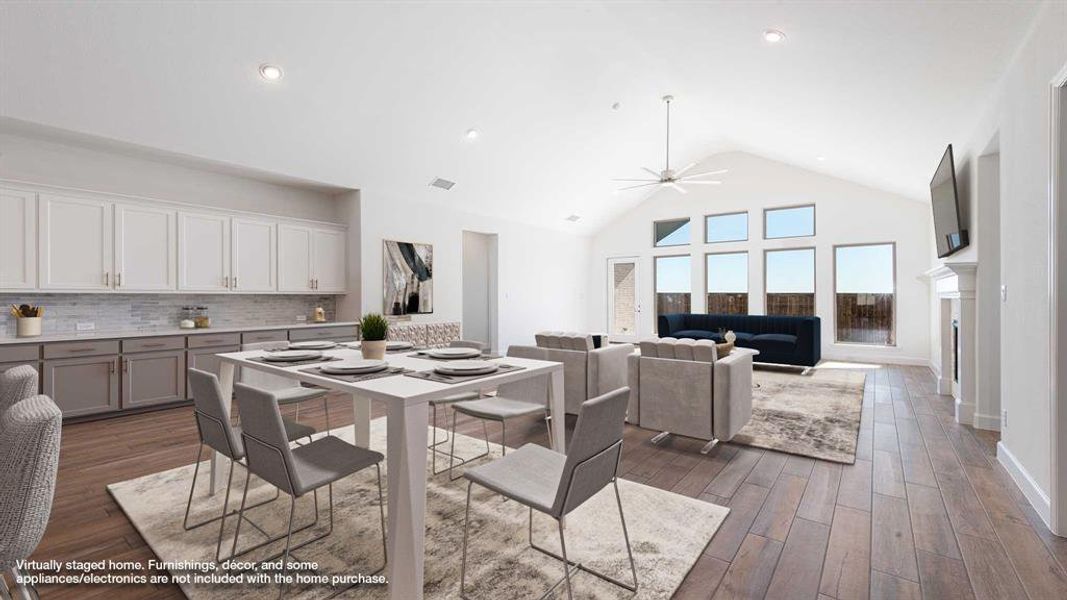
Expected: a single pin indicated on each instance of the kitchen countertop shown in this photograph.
(139, 333)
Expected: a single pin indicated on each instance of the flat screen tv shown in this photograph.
(951, 238)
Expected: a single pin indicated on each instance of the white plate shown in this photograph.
(398, 345)
(312, 345)
(291, 355)
(350, 367)
(467, 367)
(453, 353)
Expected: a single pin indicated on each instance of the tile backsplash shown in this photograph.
(112, 312)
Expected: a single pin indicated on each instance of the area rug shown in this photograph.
(814, 414)
(668, 533)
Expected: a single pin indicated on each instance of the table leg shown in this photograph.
(361, 422)
(218, 464)
(406, 461)
(558, 408)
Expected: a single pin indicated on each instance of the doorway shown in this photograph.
(624, 306)
(480, 287)
(1058, 305)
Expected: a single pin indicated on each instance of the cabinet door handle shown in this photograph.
(155, 345)
(118, 280)
(235, 282)
(111, 366)
(79, 350)
(107, 279)
(126, 365)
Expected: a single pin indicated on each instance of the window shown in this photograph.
(673, 289)
(671, 233)
(864, 294)
(731, 227)
(790, 282)
(727, 281)
(796, 221)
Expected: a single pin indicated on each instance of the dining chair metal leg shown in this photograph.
(566, 563)
(288, 542)
(625, 535)
(466, 525)
(326, 409)
(226, 504)
(381, 511)
(270, 540)
(452, 451)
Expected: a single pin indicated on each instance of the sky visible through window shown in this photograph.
(791, 271)
(673, 274)
(790, 222)
(727, 228)
(865, 269)
(728, 273)
(672, 233)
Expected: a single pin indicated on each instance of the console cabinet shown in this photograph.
(83, 386)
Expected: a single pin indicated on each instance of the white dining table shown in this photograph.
(406, 399)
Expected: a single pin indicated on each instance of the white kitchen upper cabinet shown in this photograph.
(203, 252)
(294, 259)
(328, 253)
(18, 240)
(254, 251)
(146, 248)
(74, 243)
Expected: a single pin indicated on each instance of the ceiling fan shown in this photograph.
(670, 178)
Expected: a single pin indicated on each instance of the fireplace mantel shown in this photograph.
(957, 310)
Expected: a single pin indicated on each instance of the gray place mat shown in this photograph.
(422, 355)
(356, 377)
(440, 378)
(295, 363)
(398, 351)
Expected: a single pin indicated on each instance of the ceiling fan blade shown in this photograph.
(684, 169)
(645, 180)
(702, 182)
(677, 187)
(719, 172)
(655, 174)
(638, 186)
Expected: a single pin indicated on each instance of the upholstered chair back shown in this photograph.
(211, 417)
(265, 441)
(29, 458)
(17, 383)
(593, 456)
(587, 371)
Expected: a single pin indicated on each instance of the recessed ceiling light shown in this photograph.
(616, 106)
(472, 134)
(270, 72)
(820, 158)
(773, 36)
(573, 218)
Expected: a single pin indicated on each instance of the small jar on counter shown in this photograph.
(202, 320)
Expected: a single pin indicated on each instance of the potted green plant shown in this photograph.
(374, 329)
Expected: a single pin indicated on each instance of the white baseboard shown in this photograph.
(987, 422)
(886, 359)
(934, 368)
(1037, 497)
(964, 413)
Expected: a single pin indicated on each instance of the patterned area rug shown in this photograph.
(815, 414)
(668, 533)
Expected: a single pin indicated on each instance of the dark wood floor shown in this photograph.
(926, 511)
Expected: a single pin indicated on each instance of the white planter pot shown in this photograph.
(29, 326)
(373, 350)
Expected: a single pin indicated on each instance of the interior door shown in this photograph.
(145, 248)
(18, 240)
(75, 243)
(624, 305)
(203, 252)
(328, 260)
(254, 265)
(294, 259)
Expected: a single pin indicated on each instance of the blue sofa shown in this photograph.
(780, 340)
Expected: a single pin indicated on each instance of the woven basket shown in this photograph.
(724, 349)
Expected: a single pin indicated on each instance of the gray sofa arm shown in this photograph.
(633, 379)
(732, 401)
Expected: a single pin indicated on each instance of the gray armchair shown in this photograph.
(588, 372)
(683, 387)
(29, 457)
(17, 383)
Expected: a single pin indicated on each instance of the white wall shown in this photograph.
(1018, 117)
(541, 273)
(49, 162)
(846, 213)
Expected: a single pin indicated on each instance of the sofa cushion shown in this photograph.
(705, 351)
(695, 334)
(773, 342)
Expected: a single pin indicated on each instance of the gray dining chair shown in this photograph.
(512, 400)
(17, 383)
(218, 434)
(290, 392)
(298, 471)
(443, 403)
(29, 458)
(555, 484)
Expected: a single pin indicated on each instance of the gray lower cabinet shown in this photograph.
(205, 359)
(83, 386)
(153, 378)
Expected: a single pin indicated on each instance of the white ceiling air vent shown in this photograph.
(573, 218)
(444, 184)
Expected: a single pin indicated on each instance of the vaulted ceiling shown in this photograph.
(379, 96)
